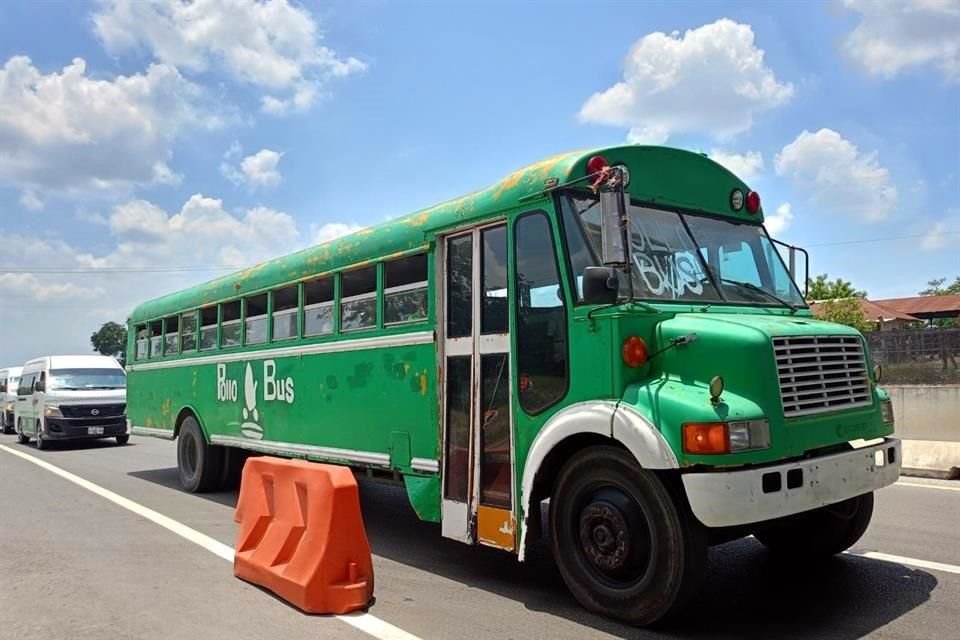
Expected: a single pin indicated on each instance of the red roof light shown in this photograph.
(753, 202)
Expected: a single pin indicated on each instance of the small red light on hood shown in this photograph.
(596, 164)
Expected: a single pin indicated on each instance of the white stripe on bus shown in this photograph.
(365, 622)
(339, 346)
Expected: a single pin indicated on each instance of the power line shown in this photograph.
(919, 235)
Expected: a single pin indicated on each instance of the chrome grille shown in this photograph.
(821, 373)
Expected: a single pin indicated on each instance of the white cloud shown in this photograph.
(712, 79)
(896, 35)
(935, 238)
(838, 176)
(271, 45)
(746, 166)
(71, 132)
(31, 201)
(778, 222)
(257, 170)
(332, 230)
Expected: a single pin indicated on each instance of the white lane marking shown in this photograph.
(910, 562)
(926, 486)
(365, 622)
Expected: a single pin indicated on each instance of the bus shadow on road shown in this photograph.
(746, 593)
(168, 477)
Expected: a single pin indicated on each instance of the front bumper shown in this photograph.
(726, 499)
(78, 428)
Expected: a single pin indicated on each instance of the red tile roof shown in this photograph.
(923, 304)
(873, 311)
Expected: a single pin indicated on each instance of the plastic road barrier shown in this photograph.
(302, 535)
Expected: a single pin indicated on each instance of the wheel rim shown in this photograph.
(190, 456)
(615, 540)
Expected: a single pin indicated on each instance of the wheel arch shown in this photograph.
(185, 412)
(585, 424)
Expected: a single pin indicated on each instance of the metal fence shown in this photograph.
(917, 356)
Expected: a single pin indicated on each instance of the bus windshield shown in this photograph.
(67, 379)
(684, 257)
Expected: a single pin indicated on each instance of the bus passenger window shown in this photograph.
(156, 338)
(208, 328)
(230, 324)
(171, 336)
(143, 341)
(188, 331)
(318, 307)
(285, 312)
(256, 320)
(358, 298)
(405, 290)
(541, 316)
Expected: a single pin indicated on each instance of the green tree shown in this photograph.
(111, 340)
(935, 287)
(822, 288)
(845, 311)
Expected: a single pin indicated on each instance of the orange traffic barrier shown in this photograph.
(302, 536)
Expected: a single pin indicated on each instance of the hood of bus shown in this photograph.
(673, 388)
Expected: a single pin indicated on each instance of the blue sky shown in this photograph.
(217, 134)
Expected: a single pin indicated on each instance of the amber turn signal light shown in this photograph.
(706, 437)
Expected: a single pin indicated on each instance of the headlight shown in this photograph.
(52, 412)
(726, 437)
(748, 435)
(886, 411)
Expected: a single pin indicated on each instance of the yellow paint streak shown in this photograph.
(423, 383)
(149, 421)
(543, 167)
(496, 527)
(406, 368)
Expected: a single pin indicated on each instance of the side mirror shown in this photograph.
(615, 245)
(601, 285)
(38, 386)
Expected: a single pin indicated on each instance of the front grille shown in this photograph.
(821, 373)
(87, 410)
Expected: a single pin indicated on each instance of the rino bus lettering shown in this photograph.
(274, 390)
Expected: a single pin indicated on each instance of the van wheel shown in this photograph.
(820, 533)
(41, 443)
(624, 547)
(123, 439)
(199, 464)
(21, 438)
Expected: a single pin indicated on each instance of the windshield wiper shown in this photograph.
(752, 287)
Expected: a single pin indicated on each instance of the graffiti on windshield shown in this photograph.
(663, 256)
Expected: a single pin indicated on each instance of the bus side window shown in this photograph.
(358, 298)
(143, 342)
(405, 289)
(156, 338)
(541, 315)
(285, 302)
(255, 331)
(208, 328)
(318, 307)
(188, 331)
(230, 324)
(171, 336)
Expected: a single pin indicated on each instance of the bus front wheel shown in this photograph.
(198, 463)
(623, 546)
(820, 533)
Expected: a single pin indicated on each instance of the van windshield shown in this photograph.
(68, 379)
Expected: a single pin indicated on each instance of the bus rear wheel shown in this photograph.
(623, 546)
(199, 464)
(820, 533)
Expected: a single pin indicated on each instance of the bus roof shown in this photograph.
(661, 175)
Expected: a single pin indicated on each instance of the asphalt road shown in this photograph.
(75, 565)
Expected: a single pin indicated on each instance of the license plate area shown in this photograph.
(95, 431)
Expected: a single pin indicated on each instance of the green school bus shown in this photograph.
(604, 349)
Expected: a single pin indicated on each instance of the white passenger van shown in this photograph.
(9, 379)
(71, 398)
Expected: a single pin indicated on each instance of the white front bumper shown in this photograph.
(737, 497)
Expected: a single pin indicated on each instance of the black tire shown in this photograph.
(199, 464)
(22, 438)
(233, 460)
(7, 428)
(41, 443)
(624, 546)
(123, 439)
(821, 533)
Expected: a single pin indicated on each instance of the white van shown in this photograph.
(71, 397)
(9, 379)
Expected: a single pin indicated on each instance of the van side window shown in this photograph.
(156, 338)
(143, 341)
(405, 289)
(358, 298)
(208, 328)
(255, 323)
(188, 331)
(171, 336)
(318, 307)
(285, 303)
(230, 324)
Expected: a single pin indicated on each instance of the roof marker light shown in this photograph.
(753, 202)
(736, 200)
(596, 164)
